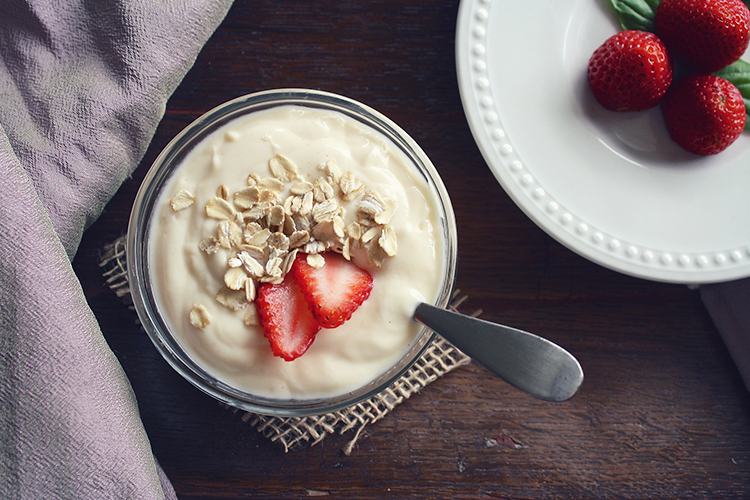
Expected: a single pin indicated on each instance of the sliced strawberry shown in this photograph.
(286, 319)
(333, 291)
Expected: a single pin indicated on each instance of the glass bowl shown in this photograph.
(139, 267)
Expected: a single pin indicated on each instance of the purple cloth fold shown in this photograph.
(83, 85)
(729, 306)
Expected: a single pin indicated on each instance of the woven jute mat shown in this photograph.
(439, 358)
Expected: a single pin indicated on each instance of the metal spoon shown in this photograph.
(524, 360)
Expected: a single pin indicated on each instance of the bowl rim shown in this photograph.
(137, 254)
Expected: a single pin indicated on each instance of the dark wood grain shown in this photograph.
(662, 412)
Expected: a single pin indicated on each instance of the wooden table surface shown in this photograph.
(662, 411)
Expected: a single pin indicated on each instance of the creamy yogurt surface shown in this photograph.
(379, 332)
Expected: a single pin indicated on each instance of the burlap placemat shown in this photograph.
(439, 358)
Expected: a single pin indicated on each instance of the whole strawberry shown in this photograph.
(704, 113)
(630, 71)
(709, 34)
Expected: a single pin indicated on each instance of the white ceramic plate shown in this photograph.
(611, 186)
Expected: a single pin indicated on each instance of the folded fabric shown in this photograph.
(83, 85)
(729, 306)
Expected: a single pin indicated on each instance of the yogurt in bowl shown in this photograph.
(255, 175)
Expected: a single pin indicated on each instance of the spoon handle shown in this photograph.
(524, 360)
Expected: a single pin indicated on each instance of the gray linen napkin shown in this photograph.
(83, 85)
(729, 306)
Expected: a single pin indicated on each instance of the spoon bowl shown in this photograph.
(524, 360)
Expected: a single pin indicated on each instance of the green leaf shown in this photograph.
(636, 14)
(739, 74)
